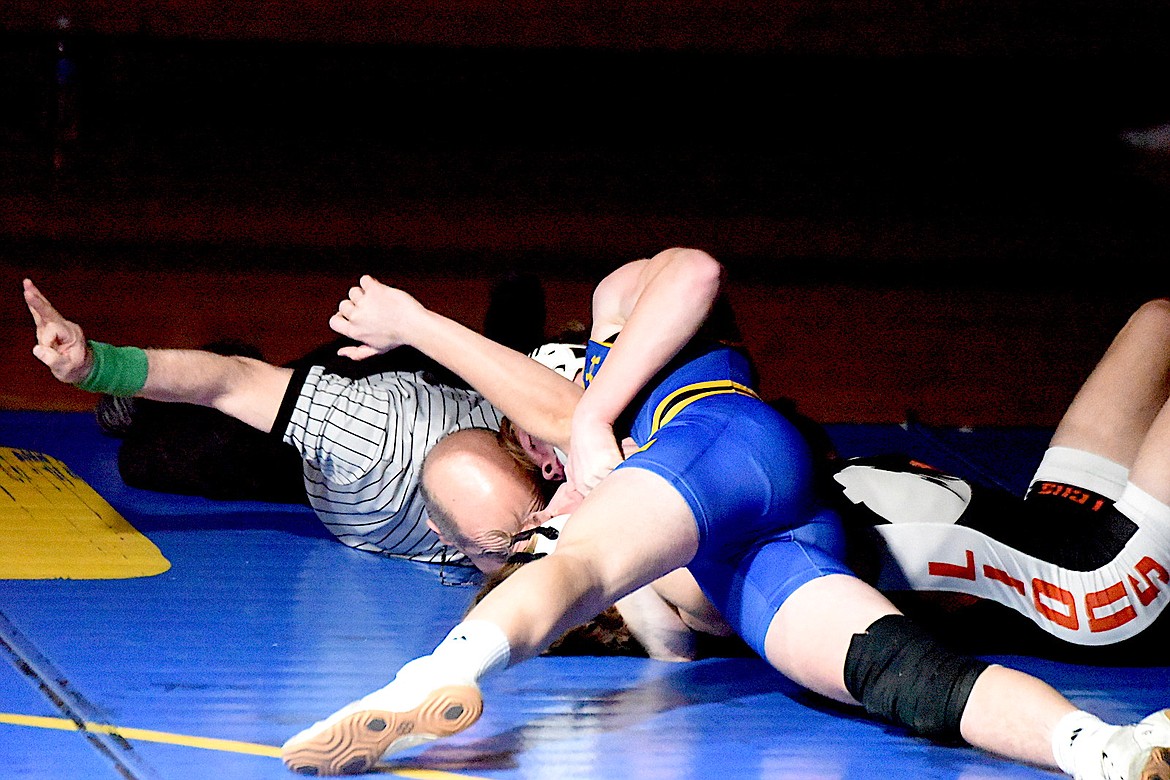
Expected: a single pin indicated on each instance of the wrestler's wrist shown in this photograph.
(593, 412)
(427, 331)
(588, 416)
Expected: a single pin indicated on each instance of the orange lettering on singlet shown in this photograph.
(999, 575)
(1103, 598)
(966, 572)
(1067, 619)
(1145, 567)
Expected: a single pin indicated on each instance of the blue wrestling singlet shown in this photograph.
(746, 473)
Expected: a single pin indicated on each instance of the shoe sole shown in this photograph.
(356, 742)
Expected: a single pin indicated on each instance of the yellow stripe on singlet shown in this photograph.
(55, 526)
(688, 394)
(184, 740)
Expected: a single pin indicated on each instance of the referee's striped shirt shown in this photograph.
(363, 442)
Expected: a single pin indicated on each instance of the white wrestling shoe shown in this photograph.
(1140, 751)
(412, 710)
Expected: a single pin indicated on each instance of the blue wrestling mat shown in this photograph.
(158, 636)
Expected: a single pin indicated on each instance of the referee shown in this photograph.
(361, 439)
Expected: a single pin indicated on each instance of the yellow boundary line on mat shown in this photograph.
(206, 743)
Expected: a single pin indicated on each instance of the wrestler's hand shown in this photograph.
(379, 316)
(593, 453)
(563, 502)
(60, 344)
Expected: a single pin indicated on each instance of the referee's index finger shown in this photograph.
(39, 305)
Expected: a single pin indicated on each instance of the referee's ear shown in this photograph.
(438, 533)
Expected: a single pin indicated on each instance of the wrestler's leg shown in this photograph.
(1117, 405)
(1151, 467)
(630, 530)
(1117, 429)
(633, 528)
(812, 641)
(809, 636)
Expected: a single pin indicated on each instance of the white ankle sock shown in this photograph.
(474, 648)
(1077, 743)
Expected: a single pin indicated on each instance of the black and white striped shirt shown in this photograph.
(363, 443)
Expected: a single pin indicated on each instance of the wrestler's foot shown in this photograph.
(417, 707)
(1139, 752)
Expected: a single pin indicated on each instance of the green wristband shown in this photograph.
(116, 370)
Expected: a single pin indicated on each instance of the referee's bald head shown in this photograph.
(477, 496)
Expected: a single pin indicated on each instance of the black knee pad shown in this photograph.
(899, 672)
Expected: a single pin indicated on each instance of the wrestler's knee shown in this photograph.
(899, 673)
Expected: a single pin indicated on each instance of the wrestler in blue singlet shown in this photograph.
(747, 475)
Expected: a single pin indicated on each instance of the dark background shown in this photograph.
(923, 206)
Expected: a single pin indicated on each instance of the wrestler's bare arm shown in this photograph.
(679, 589)
(657, 626)
(659, 305)
(536, 398)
